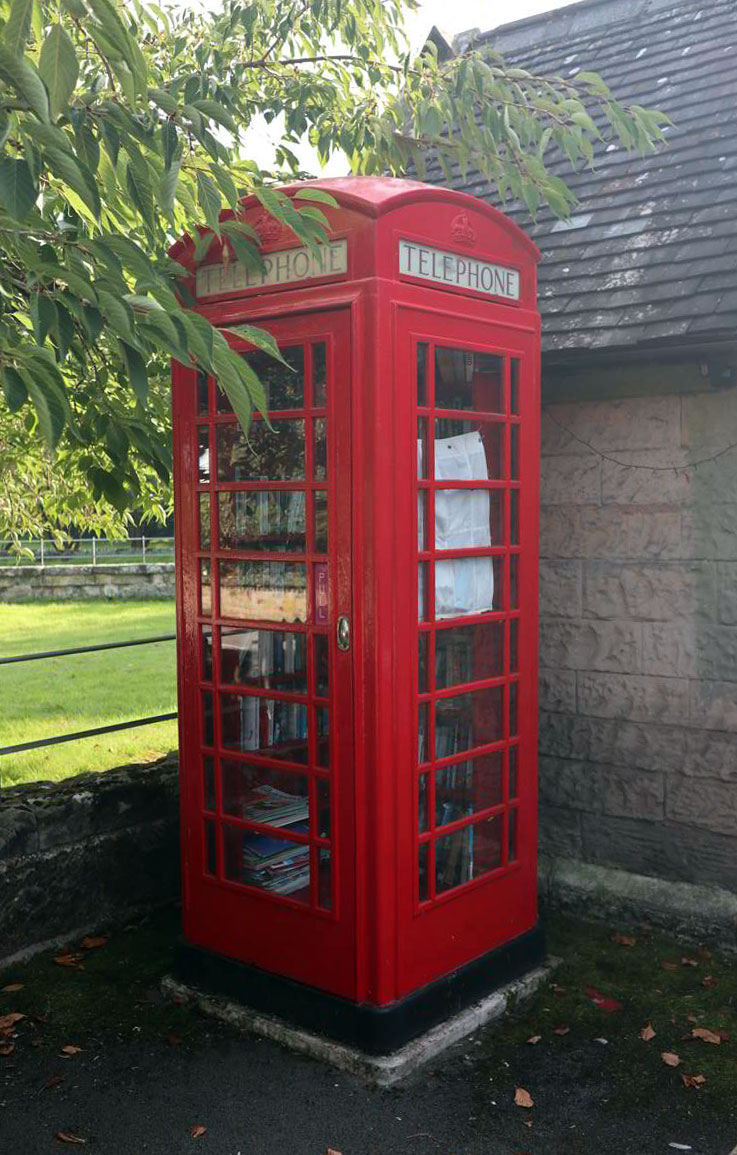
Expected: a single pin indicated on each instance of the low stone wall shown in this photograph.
(32, 583)
(92, 849)
(638, 645)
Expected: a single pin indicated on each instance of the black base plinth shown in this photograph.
(373, 1030)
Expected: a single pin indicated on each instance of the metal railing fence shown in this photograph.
(87, 551)
(57, 739)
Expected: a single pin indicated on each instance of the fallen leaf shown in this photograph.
(604, 1042)
(647, 1033)
(174, 1040)
(8, 1021)
(94, 941)
(705, 953)
(52, 1081)
(668, 966)
(69, 1137)
(522, 1098)
(198, 1131)
(693, 1080)
(680, 1147)
(689, 962)
(624, 939)
(603, 1002)
(706, 1035)
(561, 1030)
(69, 960)
(6, 1049)
(534, 1039)
(709, 982)
(527, 1122)
(670, 1059)
(70, 1049)
(11, 988)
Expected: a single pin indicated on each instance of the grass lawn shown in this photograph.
(58, 695)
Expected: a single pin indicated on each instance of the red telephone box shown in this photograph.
(357, 613)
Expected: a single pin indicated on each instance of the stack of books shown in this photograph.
(275, 807)
(276, 864)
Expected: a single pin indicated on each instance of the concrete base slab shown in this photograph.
(379, 1070)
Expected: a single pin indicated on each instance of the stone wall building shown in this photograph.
(638, 293)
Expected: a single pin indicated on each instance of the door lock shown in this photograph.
(344, 633)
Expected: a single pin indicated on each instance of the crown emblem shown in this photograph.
(269, 229)
(462, 231)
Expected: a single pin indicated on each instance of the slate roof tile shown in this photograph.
(655, 256)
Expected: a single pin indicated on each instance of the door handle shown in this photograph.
(344, 633)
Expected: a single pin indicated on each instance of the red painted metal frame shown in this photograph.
(379, 942)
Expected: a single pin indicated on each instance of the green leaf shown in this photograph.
(14, 389)
(22, 77)
(59, 68)
(169, 138)
(316, 194)
(139, 184)
(77, 176)
(210, 201)
(43, 315)
(261, 339)
(49, 402)
(215, 111)
(17, 190)
(137, 373)
(15, 32)
(117, 313)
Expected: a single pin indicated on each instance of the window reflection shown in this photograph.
(272, 590)
(269, 659)
(272, 520)
(276, 454)
(468, 380)
(467, 720)
(264, 726)
(284, 386)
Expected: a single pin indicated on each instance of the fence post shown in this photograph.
(42, 551)
(94, 551)
(143, 550)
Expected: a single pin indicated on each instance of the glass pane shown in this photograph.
(270, 659)
(319, 376)
(208, 727)
(514, 385)
(422, 503)
(277, 865)
(205, 587)
(422, 374)
(514, 517)
(202, 392)
(468, 853)
(468, 720)
(208, 773)
(324, 884)
(465, 380)
(422, 872)
(320, 510)
(264, 726)
(320, 449)
(468, 450)
(321, 587)
(210, 847)
(276, 454)
(284, 388)
(271, 797)
(465, 586)
(513, 709)
(273, 590)
(513, 759)
(271, 520)
(514, 453)
(322, 739)
(498, 583)
(422, 804)
(206, 651)
(321, 643)
(423, 610)
(513, 815)
(469, 654)
(204, 521)
(423, 734)
(422, 663)
(514, 582)
(462, 518)
(322, 789)
(513, 646)
(467, 787)
(203, 453)
(422, 460)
